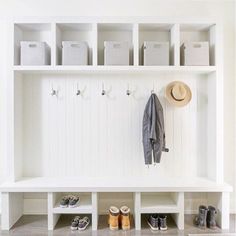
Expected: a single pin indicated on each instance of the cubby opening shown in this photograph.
(171, 224)
(159, 202)
(194, 200)
(117, 199)
(64, 223)
(27, 207)
(84, 205)
(159, 33)
(200, 33)
(120, 199)
(114, 32)
(31, 32)
(74, 32)
(35, 203)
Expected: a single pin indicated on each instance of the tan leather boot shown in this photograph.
(113, 219)
(125, 217)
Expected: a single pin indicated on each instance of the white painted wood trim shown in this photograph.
(224, 210)
(94, 211)
(136, 44)
(52, 218)
(175, 43)
(12, 209)
(95, 44)
(137, 213)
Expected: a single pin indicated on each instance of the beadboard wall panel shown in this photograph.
(64, 134)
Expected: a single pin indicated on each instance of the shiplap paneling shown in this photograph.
(101, 136)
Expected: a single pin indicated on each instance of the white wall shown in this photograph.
(224, 10)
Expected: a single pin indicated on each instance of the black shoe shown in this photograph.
(162, 222)
(153, 222)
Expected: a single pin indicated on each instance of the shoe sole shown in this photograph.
(72, 206)
(126, 228)
(74, 228)
(114, 228)
(152, 228)
(163, 229)
(63, 206)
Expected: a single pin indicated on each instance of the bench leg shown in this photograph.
(95, 211)
(137, 215)
(52, 218)
(12, 209)
(224, 212)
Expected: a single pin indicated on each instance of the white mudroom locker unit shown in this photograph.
(75, 129)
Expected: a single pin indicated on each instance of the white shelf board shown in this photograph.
(114, 69)
(166, 184)
(83, 207)
(158, 204)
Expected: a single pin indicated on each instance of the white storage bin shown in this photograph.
(34, 53)
(156, 53)
(116, 53)
(74, 53)
(195, 54)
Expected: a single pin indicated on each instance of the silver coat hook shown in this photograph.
(153, 89)
(78, 92)
(53, 92)
(103, 90)
(128, 92)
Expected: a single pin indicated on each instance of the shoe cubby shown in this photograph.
(23, 204)
(163, 203)
(31, 32)
(159, 33)
(194, 200)
(74, 32)
(84, 205)
(200, 33)
(172, 228)
(114, 32)
(160, 202)
(106, 200)
(63, 224)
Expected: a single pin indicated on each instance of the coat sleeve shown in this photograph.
(159, 142)
(147, 127)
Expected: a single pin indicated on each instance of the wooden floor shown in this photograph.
(37, 225)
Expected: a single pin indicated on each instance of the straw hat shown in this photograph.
(178, 93)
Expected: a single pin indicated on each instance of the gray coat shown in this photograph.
(153, 131)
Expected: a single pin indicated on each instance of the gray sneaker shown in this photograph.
(73, 201)
(153, 222)
(163, 224)
(75, 223)
(65, 201)
(83, 223)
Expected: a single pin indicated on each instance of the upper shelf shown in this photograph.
(95, 33)
(114, 69)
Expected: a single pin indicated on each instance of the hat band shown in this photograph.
(179, 100)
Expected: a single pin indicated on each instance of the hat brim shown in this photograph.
(174, 102)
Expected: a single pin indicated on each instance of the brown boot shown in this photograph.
(125, 217)
(113, 219)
